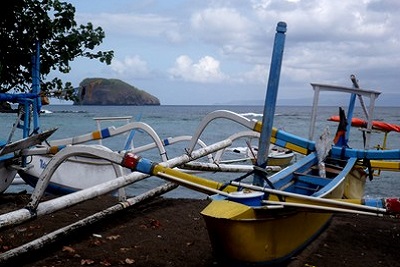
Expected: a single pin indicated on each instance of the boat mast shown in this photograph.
(270, 102)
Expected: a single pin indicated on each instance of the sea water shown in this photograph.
(172, 121)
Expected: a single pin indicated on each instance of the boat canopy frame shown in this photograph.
(353, 91)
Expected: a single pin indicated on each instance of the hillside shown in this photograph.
(99, 91)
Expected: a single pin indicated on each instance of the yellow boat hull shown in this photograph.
(355, 184)
(259, 235)
(280, 161)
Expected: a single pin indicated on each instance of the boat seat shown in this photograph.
(307, 188)
(311, 179)
(333, 168)
(330, 170)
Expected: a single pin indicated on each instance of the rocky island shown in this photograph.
(100, 91)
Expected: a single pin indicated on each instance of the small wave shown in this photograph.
(251, 114)
(70, 111)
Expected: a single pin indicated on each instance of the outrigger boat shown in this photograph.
(268, 221)
(376, 125)
(273, 217)
(66, 179)
(277, 156)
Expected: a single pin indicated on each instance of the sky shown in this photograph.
(205, 52)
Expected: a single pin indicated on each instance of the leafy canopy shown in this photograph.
(52, 23)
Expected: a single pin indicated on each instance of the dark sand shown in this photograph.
(171, 232)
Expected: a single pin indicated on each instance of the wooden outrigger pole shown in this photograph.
(270, 101)
(65, 231)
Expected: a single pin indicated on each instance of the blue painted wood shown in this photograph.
(37, 105)
(350, 111)
(314, 180)
(283, 177)
(128, 142)
(17, 98)
(338, 179)
(270, 100)
(345, 153)
(285, 137)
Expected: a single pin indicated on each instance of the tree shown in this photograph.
(52, 23)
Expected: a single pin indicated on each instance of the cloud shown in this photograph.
(233, 32)
(130, 66)
(220, 25)
(206, 70)
(139, 25)
(322, 20)
(257, 75)
(326, 41)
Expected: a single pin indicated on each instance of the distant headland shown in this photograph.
(100, 91)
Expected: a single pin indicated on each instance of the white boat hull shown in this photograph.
(74, 174)
(276, 157)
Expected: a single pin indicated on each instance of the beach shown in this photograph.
(171, 232)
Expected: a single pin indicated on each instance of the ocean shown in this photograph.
(172, 121)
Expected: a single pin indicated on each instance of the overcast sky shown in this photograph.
(207, 52)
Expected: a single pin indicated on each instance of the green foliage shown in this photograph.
(52, 23)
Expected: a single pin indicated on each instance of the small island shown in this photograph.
(100, 91)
